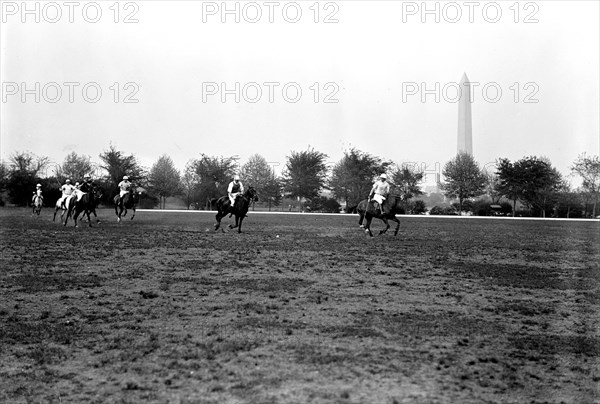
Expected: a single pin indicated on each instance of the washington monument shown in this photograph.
(465, 132)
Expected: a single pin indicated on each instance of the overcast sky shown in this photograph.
(370, 61)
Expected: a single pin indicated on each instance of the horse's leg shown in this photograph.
(76, 215)
(96, 216)
(132, 216)
(368, 219)
(119, 210)
(68, 211)
(361, 218)
(88, 217)
(237, 219)
(240, 225)
(54, 218)
(395, 219)
(368, 226)
(387, 224)
(218, 217)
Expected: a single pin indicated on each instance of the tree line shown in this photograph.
(531, 182)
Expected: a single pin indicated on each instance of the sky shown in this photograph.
(183, 78)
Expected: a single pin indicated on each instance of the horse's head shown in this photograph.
(97, 192)
(135, 194)
(251, 194)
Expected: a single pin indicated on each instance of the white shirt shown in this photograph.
(381, 188)
(230, 188)
(67, 189)
(124, 185)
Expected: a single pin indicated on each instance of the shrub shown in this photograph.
(440, 210)
(418, 207)
(324, 204)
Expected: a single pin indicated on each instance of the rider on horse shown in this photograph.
(235, 189)
(85, 187)
(67, 190)
(124, 188)
(37, 193)
(380, 192)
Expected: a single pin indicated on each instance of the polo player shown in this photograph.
(379, 192)
(235, 189)
(67, 191)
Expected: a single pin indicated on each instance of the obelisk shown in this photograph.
(465, 131)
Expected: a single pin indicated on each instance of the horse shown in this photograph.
(64, 209)
(37, 204)
(130, 201)
(87, 204)
(239, 209)
(390, 207)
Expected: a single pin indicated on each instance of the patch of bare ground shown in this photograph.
(163, 310)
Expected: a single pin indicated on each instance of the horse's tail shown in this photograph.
(220, 205)
(362, 206)
(69, 204)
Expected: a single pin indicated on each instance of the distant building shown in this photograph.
(465, 129)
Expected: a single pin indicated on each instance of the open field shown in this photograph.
(298, 309)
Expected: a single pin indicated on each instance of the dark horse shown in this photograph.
(129, 201)
(391, 206)
(86, 205)
(240, 208)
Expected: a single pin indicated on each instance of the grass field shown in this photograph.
(298, 309)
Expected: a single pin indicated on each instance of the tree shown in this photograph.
(352, 176)
(4, 176)
(406, 182)
(464, 178)
(305, 174)
(189, 184)
(509, 183)
(257, 173)
(588, 168)
(272, 192)
(23, 173)
(74, 167)
(568, 203)
(492, 186)
(117, 165)
(539, 183)
(214, 175)
(164, 179)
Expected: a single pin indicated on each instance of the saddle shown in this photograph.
(232, 207)
(375, 207)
